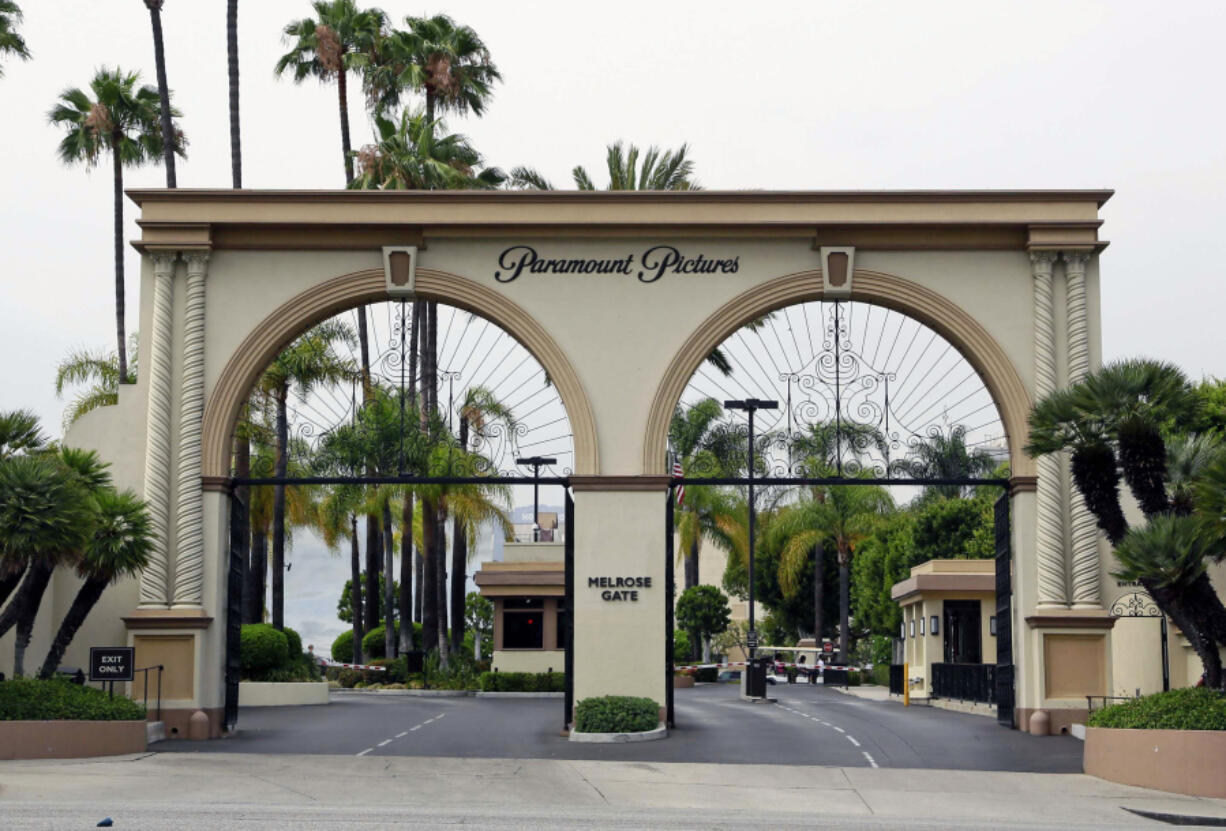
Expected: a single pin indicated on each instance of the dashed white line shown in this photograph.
(384, 742)
(869, 758)
(367, 750)
(852, 739)
(402, 735)
(415, 727)
(440, 715)
(840, 729)
(428, 721)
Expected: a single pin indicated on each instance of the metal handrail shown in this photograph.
(145, 696)
(1090, 699)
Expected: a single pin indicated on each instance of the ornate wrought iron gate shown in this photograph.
(1004, 615)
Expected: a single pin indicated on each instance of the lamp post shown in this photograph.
(750, 406)
(537, 462)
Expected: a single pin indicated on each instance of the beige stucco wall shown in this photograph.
(529, 660)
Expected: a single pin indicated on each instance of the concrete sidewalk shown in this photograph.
(214, 790)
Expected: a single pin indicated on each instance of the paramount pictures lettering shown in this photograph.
(619, 588)
(653, 264)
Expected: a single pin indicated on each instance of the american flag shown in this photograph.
(680, 488)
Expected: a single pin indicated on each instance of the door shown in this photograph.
(962, 632)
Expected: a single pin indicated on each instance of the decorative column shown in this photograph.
(1049, 544)
(189, 522)
(154, 588)
(1084, 531)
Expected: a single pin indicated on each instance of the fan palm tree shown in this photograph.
(236, 146)
(336, 518)
(845, 514)
(327, 47)
(100, 371)
(660, 170)
(19, 434)
(309, 362)
(159, 60)
(46, 518)
(416, 154)
(11, 43)
(120, 546)
(448, 64)
(123, 120)
(944, 455)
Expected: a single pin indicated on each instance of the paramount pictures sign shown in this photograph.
(648, 266)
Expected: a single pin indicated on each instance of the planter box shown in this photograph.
(293, 694)
(683, 682)
(1189, 762)
(70, 739)
(661, 732)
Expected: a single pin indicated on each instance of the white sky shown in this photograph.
(806, 95)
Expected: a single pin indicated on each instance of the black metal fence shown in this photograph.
(898, 681)
(832, 677)
(964, 682)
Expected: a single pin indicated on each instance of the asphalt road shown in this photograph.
(806, 726)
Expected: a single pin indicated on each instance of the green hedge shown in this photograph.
(293, 643)
(263, 647)
(706, 675)
(880, 675)
(1191, 708)
(342, 647)
(373, 645)
(616, 714)
(29, 699)
(522, 682)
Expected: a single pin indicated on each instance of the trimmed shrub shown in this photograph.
(348, 678)
(616, 714)
(522, 682)
(397, 671)
(30, 699)
(342, 647)
(706, 675)
(293, 643)
(1191, 708)
(263, 647)
(682, 645)
(373, 645)
(854, 678)
(880, 675)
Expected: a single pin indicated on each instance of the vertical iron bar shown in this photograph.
(403, 326)
(160, 667)
(752, 630)
(234, 587)
(838, 397)
(569, 582)
(670, 590)
(887, 426)
(536, 501)
(1166, 659)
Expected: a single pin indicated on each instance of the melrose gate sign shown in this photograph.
(230, 277)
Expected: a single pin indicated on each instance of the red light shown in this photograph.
(530, 621)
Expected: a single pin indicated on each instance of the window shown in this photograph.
(561, 624)
(523, 624)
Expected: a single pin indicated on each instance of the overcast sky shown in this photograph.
(811, 95)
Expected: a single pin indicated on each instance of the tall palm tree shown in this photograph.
(660, 170)
(327, 47)
(416, 154)
(123, 120)
(11, 43)
(236, 146)
(159, 60)
(46, 518)
(944, 455)
(20, 433)
(120, 546)
(337, 520)
(100, 371)
(845, 514)
(448, 64)
(309, 362)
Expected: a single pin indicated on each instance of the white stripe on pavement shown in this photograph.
(367, 750)
(870, 758)
(852, 739)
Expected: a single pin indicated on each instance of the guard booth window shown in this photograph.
(561, 627)
(962, 632)
(523, 625)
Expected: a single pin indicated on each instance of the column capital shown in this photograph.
(197, 260)
(1041, 261)
(1075, 262)
(163, 260)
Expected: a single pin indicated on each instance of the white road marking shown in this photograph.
(415, 727)
(402, 735)
(428, 721)
(367, 750)
(870, 758)
(384, 742)
(840, 729)
(852, 739)
(440, 715)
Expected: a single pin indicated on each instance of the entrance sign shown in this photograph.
(111, 663)
(619, 588)
(656, 262)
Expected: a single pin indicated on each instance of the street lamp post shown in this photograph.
(750, 406)
(537, 462)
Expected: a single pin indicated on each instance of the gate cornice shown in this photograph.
(904, 296)
(253, 354)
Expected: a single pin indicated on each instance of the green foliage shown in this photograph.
(772, 632)
(28, 699)
(616, 714)
(683, 647)
(263, 647)
(342, 647)
(1170, 550)
(522, 682)
(854, 678)
(396, 672)
(703, 611)
(1191, 708)
(344, 604)
(880, 675)
(460, 674)
(373, 644)
(293, 642)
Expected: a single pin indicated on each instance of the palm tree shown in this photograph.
(11, 43)
(661, 170)
(337, 520)
(327, 47)
(448, 64)
(19, 434)
(120, 546)
(846, 514)
(416, 154)
(944, 455)
(46, 517)
(100, 370)
(123, 120)
(308, 362)
(236, 147)
(159, 59)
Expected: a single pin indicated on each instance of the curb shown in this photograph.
(496, 694)
(661, 732)
(1178, 819)
(418, 693)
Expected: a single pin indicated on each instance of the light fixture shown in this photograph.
(992, 626)
(934, 628)
(921, 626)
(912, 628)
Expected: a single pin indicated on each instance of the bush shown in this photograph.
(880, 675)
(682, 645)
(706, 675)
(522, 682)
(854, 678)
(342, 647)
(1191, 708)
(373, 645)
(616, 714)
(262, 647)
(397, 671)
(293, 643)
(349, 678)
(30, 699)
